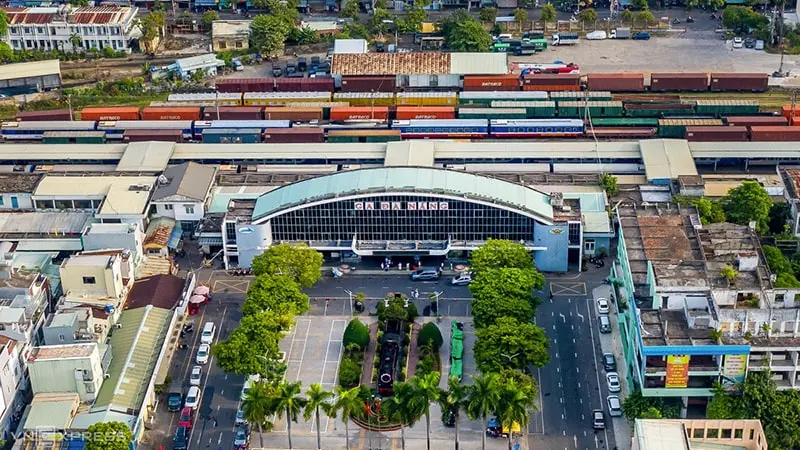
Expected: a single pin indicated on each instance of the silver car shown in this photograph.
(614, 406)
(612, 380)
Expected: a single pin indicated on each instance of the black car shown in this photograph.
(380, 47)
(301, 64)
(179, 442)
(277, 72)
(750, 43)
(290, 68)
(609, 362)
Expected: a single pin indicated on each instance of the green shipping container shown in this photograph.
(624, 122)
(492, 113)
(231, 136)
(595, 109)
(676, 128)
(532, 109)
(74, 137)
(727, 107)
(571, 96)
(383, 138)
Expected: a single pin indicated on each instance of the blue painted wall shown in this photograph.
(556, 239)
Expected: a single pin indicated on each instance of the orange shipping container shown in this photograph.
(113, 113)
(294, 114)
(786, 111)
(428, 112)
(491, 83)
(360, 113)
(179, 113)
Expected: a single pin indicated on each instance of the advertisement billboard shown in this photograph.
(677, 371)
(733, 369)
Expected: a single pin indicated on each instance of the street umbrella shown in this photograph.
(201, 290)
(197, 299)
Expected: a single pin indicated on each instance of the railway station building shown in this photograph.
(423, 212)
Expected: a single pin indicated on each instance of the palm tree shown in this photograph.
(514, 406)
(288, 399)
(347, 401)
(453, 399)
(75, 40)
(401, 408)
(426, 391)
(482, 398)
(317, 398)
(258, 405)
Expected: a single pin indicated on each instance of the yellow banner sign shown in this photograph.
(677, 371)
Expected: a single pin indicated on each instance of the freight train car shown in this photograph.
(508, 82)
(39, 116)
(347, 136)
(457, 129)
(179, 113)
(311, 135)
(726, 107)
(74, 137)
(547, 82)
(676, 128)
(282, 98)
(486, 98)
(427, 98)
(633, 109)
(717, 134)
(231, 136)
(360, 113)
(634, 122)
(260, 125)
(590, 109)
(775, 133)
(426, 112)
(34, 131)
(110, 113)
(663, 82)
(533, 109)
(233, 113)
(492, 113)
(219, 98)
(116, 129)
(365, 98)
(153, 135)
(571, 96)
(620, 133)
(536, 128)
(747, 121)
(615, 82)
(303, 85)
(293, 114)
(376, 83)
(754, 82)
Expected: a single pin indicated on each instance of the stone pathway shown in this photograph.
(413, 351)
(369, 355)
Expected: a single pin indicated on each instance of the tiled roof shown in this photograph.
(90, 15)
(431, 63)
(25, 17)
(162, 291)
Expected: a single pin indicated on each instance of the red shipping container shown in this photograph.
(153, 135)
(425, 112)
(491, 83)
(294, 135)
(112, 113)
(658, 106)
(747, 121)
(772, 133)
(660, 82)
(787, 111)
(246, 85)
(179, 113)
(360, 113)
(38, 116)
(380, 83)
(294, 114)
(234, 113)
(551, 87)
(716, 134)
(312, 85)
(755, 82)
(615, 82)
(550, 79)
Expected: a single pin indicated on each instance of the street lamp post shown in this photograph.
(510, 357)
(350, 294)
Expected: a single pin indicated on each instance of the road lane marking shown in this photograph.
(303, 353)
(203, 385)
(230, 286)
(568, 289)
(597, 371)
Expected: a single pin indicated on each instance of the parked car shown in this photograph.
(598, 419)
(277, 72)
(195, 376)
(462, 279)
(641, 36)
(750, 43)
(759, 44)
(602, 305)
(301, 64)
(174, 401)
(598, 35)
(424, 274)
(605, 324)
(207, 335)
(609, 362)
(738, 42)
(202, 354)
(614, 406)
(612, 380)
(185, 420)
(242, 437)
(180, 441)
(252, 379)
(240, 416)
(192, 398)
(290, 68)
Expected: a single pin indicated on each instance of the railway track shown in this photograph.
(770, 100)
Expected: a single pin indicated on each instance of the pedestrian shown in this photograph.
(399, 266)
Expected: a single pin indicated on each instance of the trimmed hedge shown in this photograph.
(430, 333)
(356, 333)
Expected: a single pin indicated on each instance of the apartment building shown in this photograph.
(62, 27)
(78, 368)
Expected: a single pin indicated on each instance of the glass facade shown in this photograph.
(401, 218)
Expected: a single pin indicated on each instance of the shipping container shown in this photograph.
(548, 82)
(233, 113)
(427, 112)
(365, 98)
(491, 83)
(492, 113)
(658, 109)
(615, 82)
(379, 83)
(219, 99)
(360, 113)
(676, 128)
(181, 104)
(74, 137)
(303, 85)
(110, 113)
(294, 135)
(425, 82)
(282, 98)
(726, 107)
(755, 82)
(716, 134)
(486, 97)
(620, 132)
(231, 136)
(181, 113)
(649, 98)
(153, 135)
(345, 136)
(426, 98)
(246, 85)
(590, 109)
(293, 114)
(325, 106)
(534, 109)
(786, 111)
(661, 82)
(747, 121)
(624, 122)
(571, 96)
(38, 116)
(772, 133)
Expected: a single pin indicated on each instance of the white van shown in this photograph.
(207, 337)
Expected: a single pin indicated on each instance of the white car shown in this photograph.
(192, 398)
(194, 377)
(461, 279)
(596, 35)
(252, 379)
(612, 379)
(614, 406)
(207, 336)
(738, 42)
(202, 354)
(602, 305)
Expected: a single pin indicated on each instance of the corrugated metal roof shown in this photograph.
(430, 63)
(478, 63)
(65, 152)
(100, 15)
(30, 69)
(667, 159)
(406, 179)
(349, 46)
(146, 156)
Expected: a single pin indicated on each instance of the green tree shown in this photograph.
(485, 312)
(639, 4)
(452, 401)
(78, 3)
(520, 16)
(255, 339)
(651, 413)
(609, 183)
(380, 4)
(429, 334)
(267, 36)
(748, 203)
(506, 282)
(463, 33)
(513, 407)
(289, 400)
(426, 391)
(258, 406)
(587, 15)
(786, 280)
(379, 23)
(151, 26)
(347, 401)
(412, 22)
(349, 373)
(779, 216)
(626, 16)
(488, 14)
(109, 436)
(497, 253)
(401, 408)
(300, 262)
(776, 261)
(548, 13)
(742, 18)
(356, 333)
(645, 17)
(208, 18)
(3, 22)
(350, 10)
(509, 343)
(482, 400)
(6, 52)
(317, 398)
(277, 293)
(75, 41)
(709, 211)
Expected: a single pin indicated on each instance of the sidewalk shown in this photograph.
(369, 355)
(609, 343)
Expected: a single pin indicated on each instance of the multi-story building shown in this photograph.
(182, 194)
(661, 434)
(71, 29)
(78, 368)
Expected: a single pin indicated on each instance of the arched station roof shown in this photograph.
(405, 180)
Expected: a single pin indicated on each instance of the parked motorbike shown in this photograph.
(188, 328)
(713, 16)
(183, 346)
(689, 19)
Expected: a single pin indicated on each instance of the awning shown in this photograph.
(50, 245)
(209, 240)
(175, 236)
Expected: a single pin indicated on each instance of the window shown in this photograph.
(239, 44)
(61, 338)
(89, 387)
(779, 297)
(167, 207)
(44, 204)
(698, 433)
(189, 209)
(14, 30)
(40, 30)
(27, 29)
(797, 298)
(222, 45)
(2, 201)
(738, 433)
(89, 280)
(712, 433)
(726, 433)
(588, 246)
